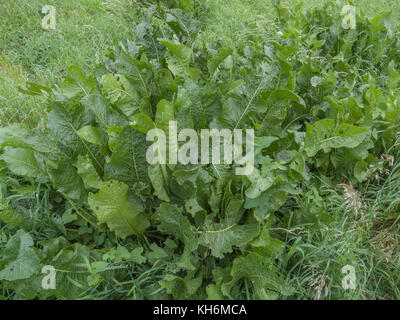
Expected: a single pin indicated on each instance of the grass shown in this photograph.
(87, 28)
(84, 31)
(364, 233)
(369, 241)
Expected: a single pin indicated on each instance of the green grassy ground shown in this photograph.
(87, 28)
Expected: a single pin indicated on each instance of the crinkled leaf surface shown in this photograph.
(175, 223)
(325, 135)
(19, 260)
(21, 162)
(122, 214)
(128, 162)
(221, 236)
(261, 272)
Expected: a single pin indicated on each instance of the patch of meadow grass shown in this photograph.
(85, 29)
(364, 233)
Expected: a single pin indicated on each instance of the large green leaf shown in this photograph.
(325, 135)
(217, 59)
(104, 113)
(71, 264)
(128, 161)
(9, 215)
(261, 272)
(64, 125)
(92, 135)
(267, 202)
(181, 287)
(67, 181)
(175, 223)
(77, 83)
(156, 175)
(22, 162)
(19, 260)
(88, 173)
(179, 58)
(221, 236)
(123, 214)
(138, 72)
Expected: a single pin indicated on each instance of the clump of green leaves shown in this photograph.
(322, 101)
